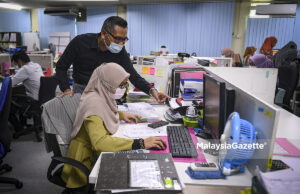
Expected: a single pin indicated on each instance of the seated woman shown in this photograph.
(97, 119)
(260, 61)
(227, 52)
(249, 52)
(267, 47)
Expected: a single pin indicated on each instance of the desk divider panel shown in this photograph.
(264, 117)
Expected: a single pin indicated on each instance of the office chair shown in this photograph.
(288, 78)
(57, 120)
(285, 55)
(32, 109)
(5, 135)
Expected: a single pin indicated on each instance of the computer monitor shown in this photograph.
(214, 106)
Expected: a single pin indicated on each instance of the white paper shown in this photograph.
(281, 181)
(145, 174)
(142, 130)
(143, 109)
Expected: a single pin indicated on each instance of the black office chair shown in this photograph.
(5, 135)
(53, 130)
(32, 109)
(288, 78)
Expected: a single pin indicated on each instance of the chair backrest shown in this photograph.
(57, 120)
(5, 135)
(285, 55)
(288, 78)
(47, 88)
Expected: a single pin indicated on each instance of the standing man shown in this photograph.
(87, 51)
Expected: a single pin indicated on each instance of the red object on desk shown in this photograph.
(48, 72)
(200, 158)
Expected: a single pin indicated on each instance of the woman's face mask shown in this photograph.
(119, 93)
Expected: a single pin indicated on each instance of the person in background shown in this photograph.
(97, 119)
(88, 51)
(163, 51)
(28, 74)
(249, 52)
(227, 52)
(267, 47)
(260, 61)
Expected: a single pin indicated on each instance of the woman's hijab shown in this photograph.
(95, 99)
(261, 61)
(250, 51)
(227, 52)
(268, 44)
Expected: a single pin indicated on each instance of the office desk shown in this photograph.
(239, 180)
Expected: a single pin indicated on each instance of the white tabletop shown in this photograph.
(239, 180)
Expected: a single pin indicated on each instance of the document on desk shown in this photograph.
(142, 130)
(281, 181)
(141, 108)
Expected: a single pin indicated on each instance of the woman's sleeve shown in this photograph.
(100, 138)
(120, 115)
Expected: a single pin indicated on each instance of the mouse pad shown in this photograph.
(200, 158)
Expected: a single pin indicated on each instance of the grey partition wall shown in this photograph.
(264, 118)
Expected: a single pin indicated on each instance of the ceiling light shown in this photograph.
(10, 6)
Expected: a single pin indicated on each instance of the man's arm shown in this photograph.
(134, 78)
(19, 77)
(64, 64)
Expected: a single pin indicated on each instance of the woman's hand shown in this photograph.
(155, 142)
(127, 117)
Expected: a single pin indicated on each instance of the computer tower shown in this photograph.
(230, 100)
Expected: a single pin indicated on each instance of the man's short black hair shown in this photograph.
(110, 23)
(20, 55)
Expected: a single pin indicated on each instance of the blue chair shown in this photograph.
(5, 135)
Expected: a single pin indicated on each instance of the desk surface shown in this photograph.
(239, 180)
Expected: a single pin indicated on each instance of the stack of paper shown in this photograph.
(141, 108)
(281, 181)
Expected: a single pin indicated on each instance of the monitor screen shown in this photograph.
(214, 106)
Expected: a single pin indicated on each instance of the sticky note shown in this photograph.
(267, 74)
(160, 89)
(269, 165)
(268, 114)
(159, 72)
(145, 70)
(152, 71)
(260, 109)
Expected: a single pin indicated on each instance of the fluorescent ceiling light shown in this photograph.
(10, 6)
(255, 4)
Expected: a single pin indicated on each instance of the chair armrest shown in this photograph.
(64, 160)
(284, 106)
(72, 162)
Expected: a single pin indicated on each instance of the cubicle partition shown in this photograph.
(264, 118)
(45, 60)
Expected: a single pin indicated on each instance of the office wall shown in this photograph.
(204, 28)
(296, 36)
(95, 19)
(260, 28)
(48, 23)
(17, 21)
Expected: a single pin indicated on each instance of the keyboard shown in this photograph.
(180, 142)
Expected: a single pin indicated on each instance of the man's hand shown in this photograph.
(67, 92)
(129, 117)
(159, 97)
